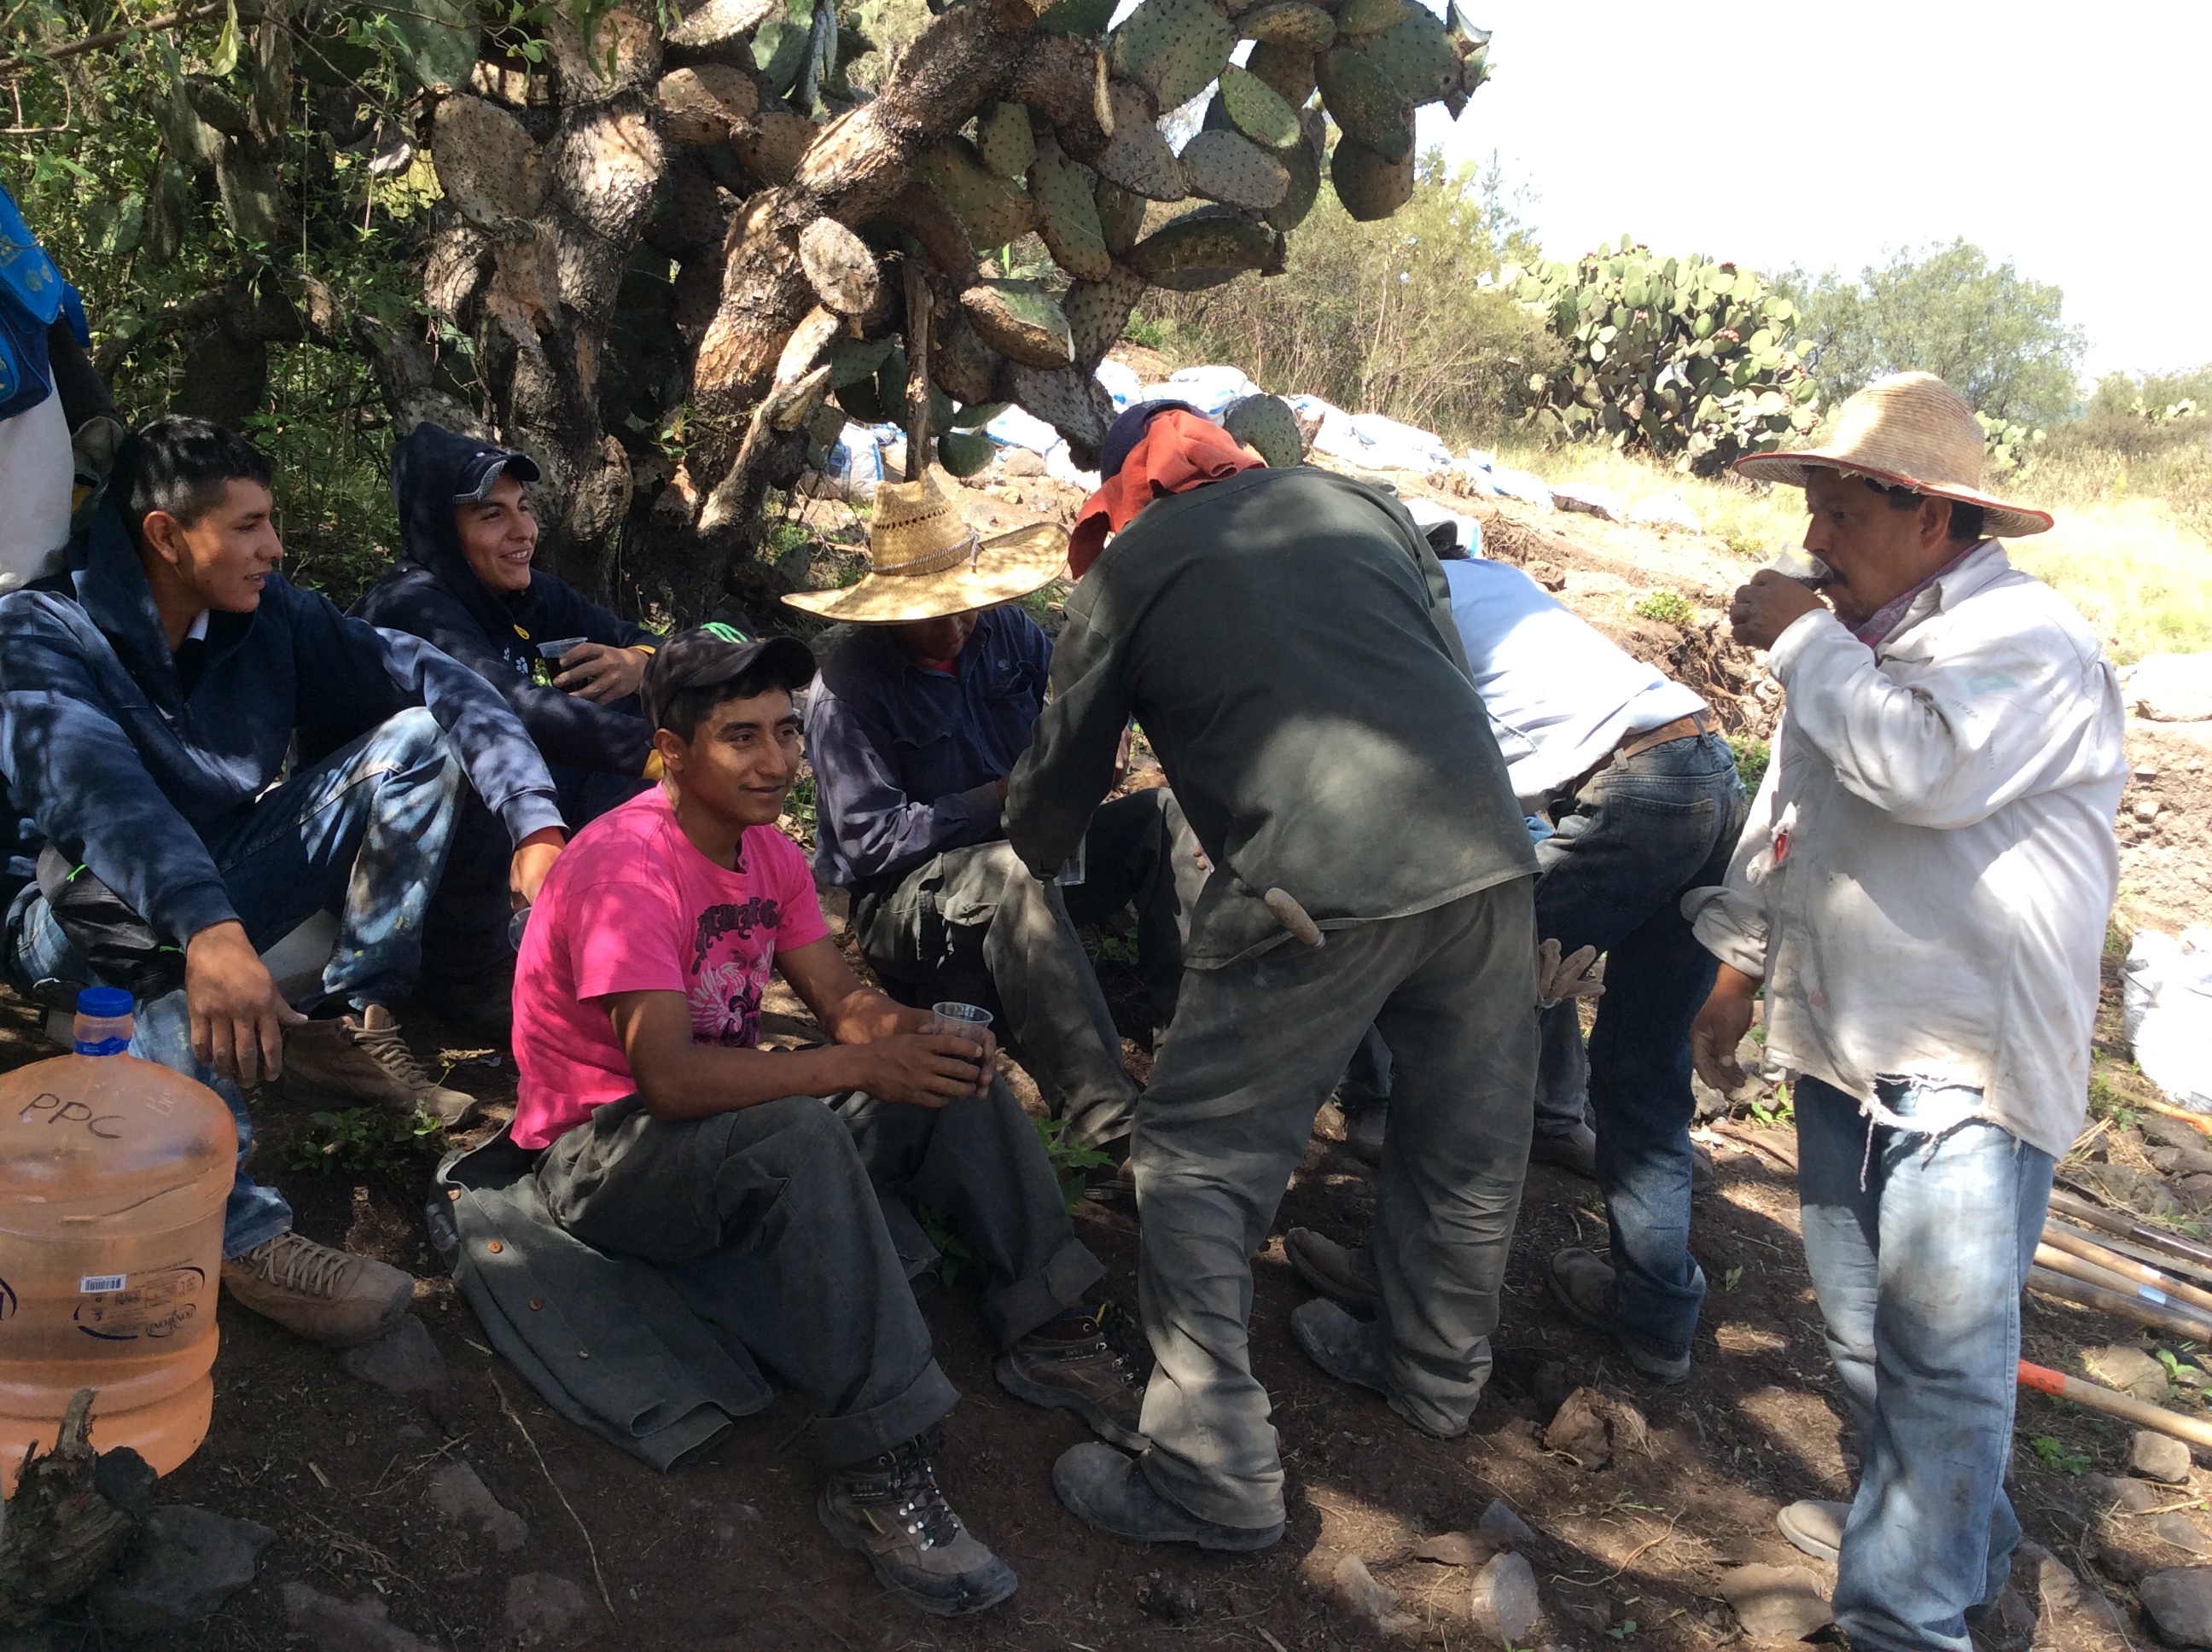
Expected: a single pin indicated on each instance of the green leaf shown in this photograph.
(225, 58)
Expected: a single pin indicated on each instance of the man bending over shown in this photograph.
(669, 1137)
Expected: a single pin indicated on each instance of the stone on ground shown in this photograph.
(1775, 1602)
(2160, 1455)
(2135, 1496)
(2179, 1602)
(404, 1360)
(1504, 1602)
(542, 1607)
(2131, 1370)
(2177, 1529)
(1469, 1549)
(1359, 1595)
(1590, 1427)
(457, 1495)
(1501, 1521)
(184, 1563)
(330, 1625)
(1169, 1598)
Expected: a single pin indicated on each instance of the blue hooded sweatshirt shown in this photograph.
(435, 594)
(105, 750)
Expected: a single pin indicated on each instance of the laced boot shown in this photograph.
(362, 1058)
(327, 1296)
(889, 1510)
(1070, 1363)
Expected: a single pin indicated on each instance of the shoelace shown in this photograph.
(923, 1513)
(390, 1052)
(291, 1263)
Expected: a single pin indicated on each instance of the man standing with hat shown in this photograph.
(913, 726)
(1286, 638)
(1921, 889)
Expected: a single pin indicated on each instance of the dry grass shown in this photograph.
(2132, 561)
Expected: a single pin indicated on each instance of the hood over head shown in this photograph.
(434, 471)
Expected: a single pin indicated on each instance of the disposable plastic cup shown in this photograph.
(559, 648)
(960, 1019)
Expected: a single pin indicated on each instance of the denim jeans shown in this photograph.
(1919, 1242)
(364, 831)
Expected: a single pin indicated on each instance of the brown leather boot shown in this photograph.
(1070, 1363)
(889, 1510)
(358, 1058)
(330, 1297)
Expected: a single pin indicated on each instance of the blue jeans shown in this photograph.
(1919, 1243)
(364, 831)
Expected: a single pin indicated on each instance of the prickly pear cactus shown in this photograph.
(1229, 167)
(1266, 426)
(1067, 209)
(1172, 48)
(1684, 358)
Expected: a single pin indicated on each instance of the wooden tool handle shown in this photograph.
(2125, 1304)
(1292, 916)
(2123, 1226)
(2060, 1238)
(2060, 1386)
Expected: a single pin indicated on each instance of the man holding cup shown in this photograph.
(666, 1134)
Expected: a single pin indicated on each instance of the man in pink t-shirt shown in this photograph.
(667, 1135)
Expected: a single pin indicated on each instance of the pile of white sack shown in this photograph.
(2165, 1000)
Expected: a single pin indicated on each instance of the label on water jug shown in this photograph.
(93, 1283)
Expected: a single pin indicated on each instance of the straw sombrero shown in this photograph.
(925, 561)
(1910, 430)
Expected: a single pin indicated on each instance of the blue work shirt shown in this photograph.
(905, 759)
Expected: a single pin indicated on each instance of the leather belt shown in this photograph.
(1682, 728)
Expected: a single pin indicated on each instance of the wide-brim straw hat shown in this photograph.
(1910, 430)
(925, 561)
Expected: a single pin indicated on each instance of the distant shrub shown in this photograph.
(1668, 607)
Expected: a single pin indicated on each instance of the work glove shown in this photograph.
(1580, 974)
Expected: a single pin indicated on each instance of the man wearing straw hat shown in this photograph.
(913, 726)
(1921, 889)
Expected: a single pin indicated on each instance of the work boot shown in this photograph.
(1815, 1526)
(1578, 1280)
(889, 1510)
(1070, 1363)
(1341, 1274)
(1574, 1150)
(327, 1296)
(1102, 1488)
(362, 1059)
(1343, 1348)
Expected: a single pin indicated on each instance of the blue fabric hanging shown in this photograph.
(32, 294)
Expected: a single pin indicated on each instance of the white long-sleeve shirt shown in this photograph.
(1926, 872)
(1560, 693)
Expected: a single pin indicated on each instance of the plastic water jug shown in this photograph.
(113, 1172)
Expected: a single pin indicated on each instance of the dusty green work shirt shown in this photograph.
(1285, 640)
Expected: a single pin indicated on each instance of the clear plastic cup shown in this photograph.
(962, 1020)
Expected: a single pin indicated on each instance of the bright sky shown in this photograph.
(2073, 139)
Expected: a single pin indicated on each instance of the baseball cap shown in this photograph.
(484, 465)
(709, 654)
(1128, 430)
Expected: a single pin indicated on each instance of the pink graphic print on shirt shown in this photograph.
(733, 952)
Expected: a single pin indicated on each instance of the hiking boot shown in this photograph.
(1341, 1345)
(1341, 1274)
(1070, 1363)
(1578, 1280)
(889, 1510)
(362, 1059)
(1104, 1489)
(1815, 1527)
(1364, 1129)
(327, 1296)
(1574, 1150)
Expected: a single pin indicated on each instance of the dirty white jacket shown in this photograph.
(1926, 875)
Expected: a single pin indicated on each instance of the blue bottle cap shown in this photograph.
(104, 1003)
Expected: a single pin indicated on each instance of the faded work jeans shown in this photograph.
(974, 917)
(1254, 1048)
(1919, 1242)
(364, 832)
(1641, 833)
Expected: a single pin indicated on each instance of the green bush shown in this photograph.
(1752, 756)
(1679, 358)
(1668, 607)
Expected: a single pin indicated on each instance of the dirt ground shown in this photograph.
(726, 1552)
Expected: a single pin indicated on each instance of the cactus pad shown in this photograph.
(963, 453)
(1360, 17)
(1002, 139)
(1072, 402)
(1266, 426)
(1360, 98)
(1370, 185)
(1018, 319)
(1203, 249)
(1302, 160)
(1287, 69)
(1099, 311)
(1172, 48)
(1120, 215)
(1229, 167)
(961, 363)
(1068, 213)
(1138, 158)
(1417, 57)
(1291, 23)
(486, 163)
(992, 210)
(1076, 16)
(1256, 110)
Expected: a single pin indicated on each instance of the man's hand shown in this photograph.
(238, 1016)
(1764, 610)
(1579, 974)
(533, 857)
(600, 672)
(1720, 1027)
(924, 1069)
